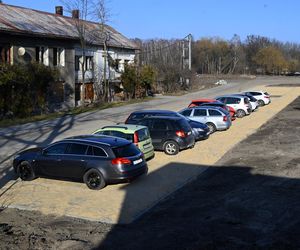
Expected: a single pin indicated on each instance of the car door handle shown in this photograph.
(82, 160)
(58, 159)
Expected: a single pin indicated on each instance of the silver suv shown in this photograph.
(214, 117)
(241, 104)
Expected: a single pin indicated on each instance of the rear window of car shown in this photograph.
(143, 134)
(126, 151)
(213, 112)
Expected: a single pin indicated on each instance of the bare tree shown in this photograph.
(102, 14)
(88, 35)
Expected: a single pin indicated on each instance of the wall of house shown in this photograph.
(24, 50)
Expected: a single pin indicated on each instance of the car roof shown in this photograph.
(204, 100)
(153, 111)
(231, 95)
(98, 139)
(125, 128)
(173, 118)
(209, 107)
(213, 103)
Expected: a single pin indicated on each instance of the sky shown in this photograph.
(148, 19)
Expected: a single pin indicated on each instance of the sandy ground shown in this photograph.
(249, 200)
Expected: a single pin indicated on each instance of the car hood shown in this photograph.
(31, 150)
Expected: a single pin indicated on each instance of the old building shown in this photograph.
(28, 35)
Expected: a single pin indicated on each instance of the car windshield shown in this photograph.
(126, 151)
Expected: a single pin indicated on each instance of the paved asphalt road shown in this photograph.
(17, 138)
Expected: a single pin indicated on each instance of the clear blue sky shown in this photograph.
(144, 19)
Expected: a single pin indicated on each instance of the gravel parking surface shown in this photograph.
(249, 200)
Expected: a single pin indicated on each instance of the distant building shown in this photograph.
(28, 35)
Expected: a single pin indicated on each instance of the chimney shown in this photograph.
(75, 14)
(59, 10)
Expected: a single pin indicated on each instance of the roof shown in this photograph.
(99, 139)
(123, 127)
(160, 111)
(15, 19)
(204, 100)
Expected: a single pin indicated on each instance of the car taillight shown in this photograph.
(267, 96)
(225, 118)
(136, 138)
(180, 133)
(119, 161)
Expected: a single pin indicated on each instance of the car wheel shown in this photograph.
(212, 127)
(25, 171)
(240, 113)
(171, 147)
(261, 103)
(94, 179)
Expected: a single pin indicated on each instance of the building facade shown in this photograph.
(28, 35)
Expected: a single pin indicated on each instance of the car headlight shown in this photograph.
(199, 129)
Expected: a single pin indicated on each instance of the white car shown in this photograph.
(240, 104)
(253, 101)
(263, 98)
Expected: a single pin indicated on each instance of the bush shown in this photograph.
(23, 88)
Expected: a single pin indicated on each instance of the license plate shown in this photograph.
(147, 146)
(137, 161)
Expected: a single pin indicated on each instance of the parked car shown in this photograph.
(97, 160)
(262, 97)
(137, 134)
(240, 104)
(215, 118)
(223, 106)
(198, 102)
(200, 130)
(170, 134)
(253, 101)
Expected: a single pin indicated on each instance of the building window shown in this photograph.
(77, 63)
(4, 54)
(41, 55)
(89, 63)
(58, 57)
(117, 64)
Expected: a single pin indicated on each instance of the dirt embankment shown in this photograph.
(250, 201)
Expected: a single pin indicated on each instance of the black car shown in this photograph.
(170, 134)
(199, 130)
(96, 160)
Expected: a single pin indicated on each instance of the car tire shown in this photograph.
(212, 127)
(261, 103)
(94, 179)
(25, 171)
(171, 148)
(240, 113)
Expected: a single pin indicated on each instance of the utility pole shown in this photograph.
(190, 51)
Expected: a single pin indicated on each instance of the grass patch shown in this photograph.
(75, 111)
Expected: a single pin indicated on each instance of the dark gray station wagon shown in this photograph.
(96, 160)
